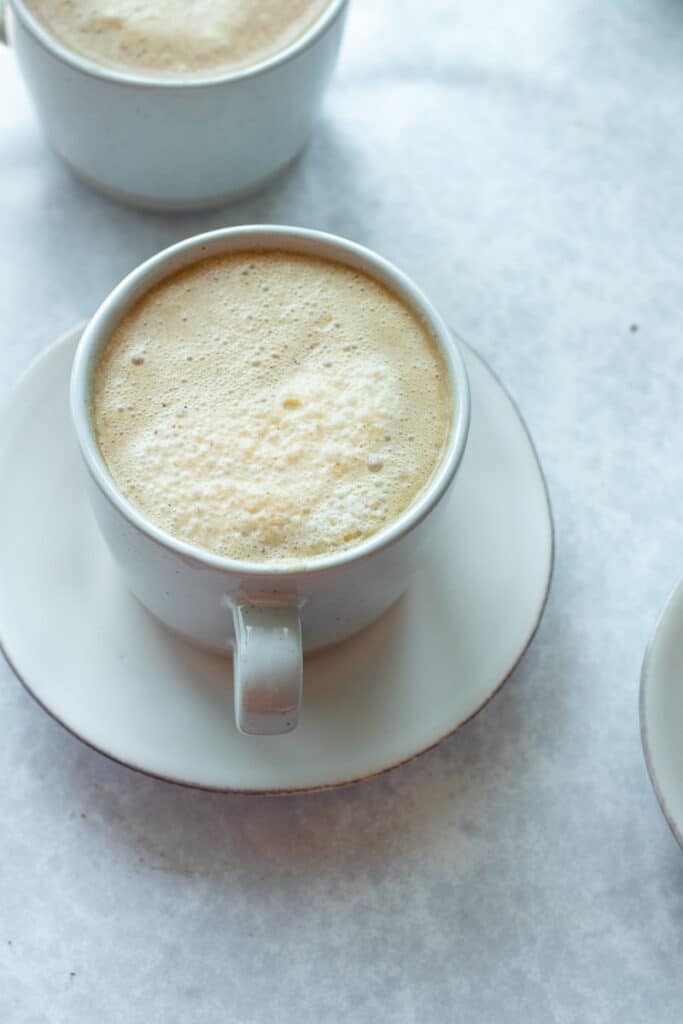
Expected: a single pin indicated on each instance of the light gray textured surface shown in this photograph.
(525, 164)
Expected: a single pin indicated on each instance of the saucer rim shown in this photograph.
(70, 335)
(645, 689)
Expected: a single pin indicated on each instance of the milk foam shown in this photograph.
(177, 38)
(271, 406)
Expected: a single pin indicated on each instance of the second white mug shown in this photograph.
(175, 144)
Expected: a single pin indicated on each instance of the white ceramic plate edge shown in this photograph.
(645, 683)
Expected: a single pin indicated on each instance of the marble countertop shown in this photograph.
(525, 164)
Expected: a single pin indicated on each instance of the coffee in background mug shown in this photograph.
(177, 38)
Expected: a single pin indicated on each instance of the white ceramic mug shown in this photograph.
(267, 615)
(175, 144)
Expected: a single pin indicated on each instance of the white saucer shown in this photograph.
(661, 711)
(97, 662)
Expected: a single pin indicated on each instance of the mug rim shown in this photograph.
(289, 239)
(100, 71)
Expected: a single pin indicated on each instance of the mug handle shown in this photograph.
(268, 667)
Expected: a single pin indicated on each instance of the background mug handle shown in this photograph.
(268, 667)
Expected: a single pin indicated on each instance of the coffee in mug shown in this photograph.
(271, 407)
(177, 38)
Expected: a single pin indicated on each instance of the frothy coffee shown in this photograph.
(177, 38)
(270, 406)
